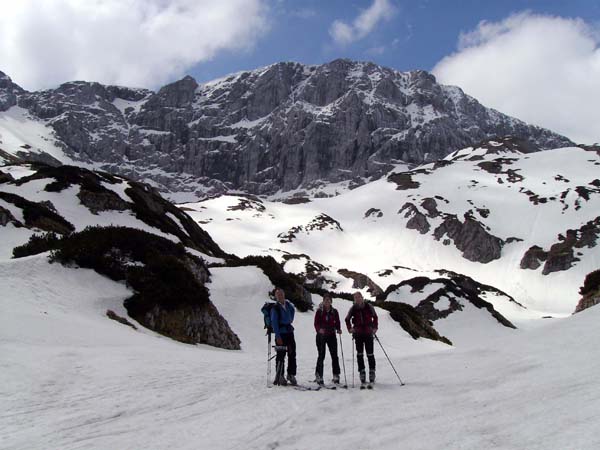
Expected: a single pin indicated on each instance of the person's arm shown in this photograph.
(317, 321)
(336, 318)
(375, 320)
(292, 311)
(347, 320)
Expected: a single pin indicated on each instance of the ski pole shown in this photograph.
(343, 363)
(352, 360)
(388, 358)
(268, 359)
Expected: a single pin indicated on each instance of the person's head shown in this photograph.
(358, 299)
(327, 302)
(279, 295)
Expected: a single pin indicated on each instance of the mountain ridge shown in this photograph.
(282, 127)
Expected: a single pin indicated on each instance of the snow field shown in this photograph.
(87, 382)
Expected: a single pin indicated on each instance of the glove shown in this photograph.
(279, 341)
(374, 331)
(321, 330)
(339, 331)
(351, 330)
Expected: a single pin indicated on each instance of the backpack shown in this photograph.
(266, 310)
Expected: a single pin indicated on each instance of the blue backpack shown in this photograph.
(266, 310)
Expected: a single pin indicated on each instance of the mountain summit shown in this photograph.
(278, 128)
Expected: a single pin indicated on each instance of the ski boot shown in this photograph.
(336, 379)
(280, 381)
(319, 380)
(292, 380)
(363, 379)
(372, 376)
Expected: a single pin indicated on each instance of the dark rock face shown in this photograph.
(533, 258)
(470, 237)
(8, 92)
(280, 127)
(455, 289)
(360, 281)
(412, 321)
(430, 205)
(403, 181)
(320, 222)
(561, 255)
(590, 291)
(192, 325)
(373, 212)
(5, 177)
(122, 320)
(417, 220)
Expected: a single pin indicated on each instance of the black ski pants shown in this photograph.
(290, 343)
(364, 342)
(330, 341)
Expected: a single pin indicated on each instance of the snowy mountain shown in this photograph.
(526, 224)
(378, 181)
(281, 127)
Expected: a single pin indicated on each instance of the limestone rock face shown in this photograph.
(282, 127)
(8, 92)
(192, 325)
(471, 237)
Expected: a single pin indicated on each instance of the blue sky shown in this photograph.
(417, 36)
(537, 60)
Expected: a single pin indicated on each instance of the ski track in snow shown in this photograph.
(72, 379)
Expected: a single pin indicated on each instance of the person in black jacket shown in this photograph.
(362, 323)
(327, 324)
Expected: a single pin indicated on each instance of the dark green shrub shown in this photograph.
(38, 243)
(291, 284)
(39, 216)
(157, 269)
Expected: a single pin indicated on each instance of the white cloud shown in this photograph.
(542, 69)
(343, 33)
(134, 42)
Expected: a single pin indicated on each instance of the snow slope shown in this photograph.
(378, 242)
(72, 379)
(20, 132)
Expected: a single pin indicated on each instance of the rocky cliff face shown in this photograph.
(280, 127)
(8, 92)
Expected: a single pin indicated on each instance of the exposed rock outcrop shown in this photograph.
(319, 223)
(412, 321)
(373, 212)
(455, 290)
(361, 281)
(533, 258)
(561, 255)
(417, 220)
(590, 291)
(471, 238)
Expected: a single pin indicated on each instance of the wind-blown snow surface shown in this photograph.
(374, 244)
(72, 379)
